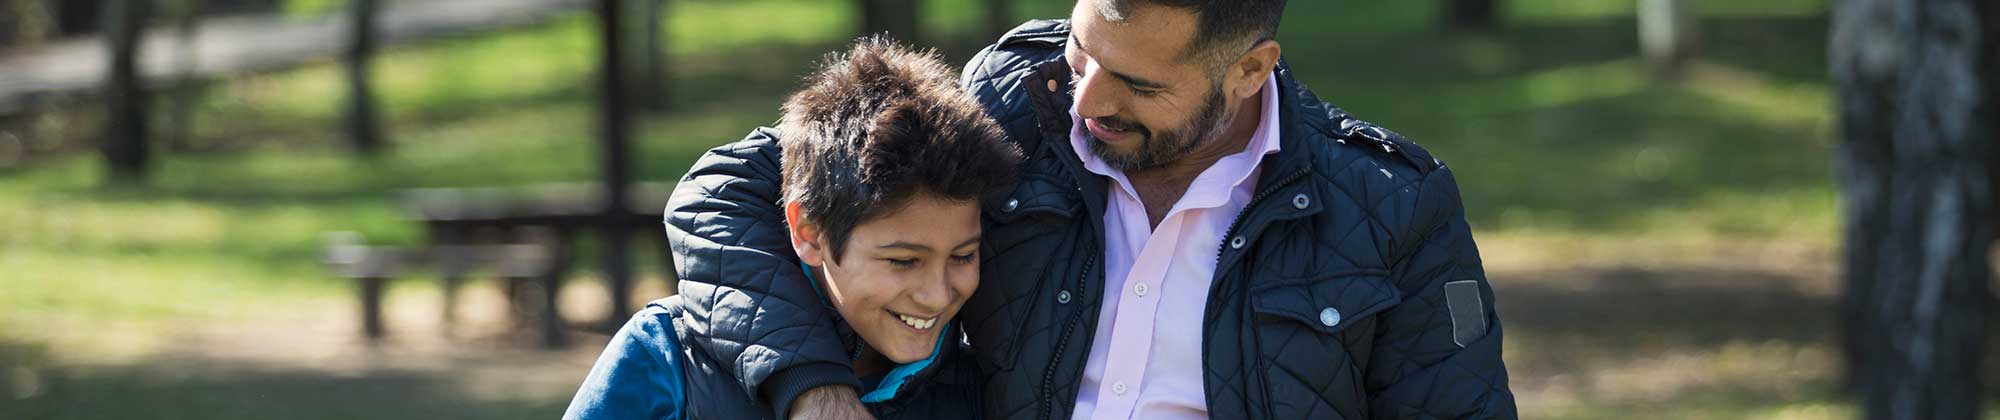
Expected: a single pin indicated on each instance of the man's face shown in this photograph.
(906, 274)
(1142, 100)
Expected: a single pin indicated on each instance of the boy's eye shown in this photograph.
(963, 259)
(902, 262)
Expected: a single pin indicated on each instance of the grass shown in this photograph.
(1594, 189)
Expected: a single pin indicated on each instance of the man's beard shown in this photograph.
(1167, 146)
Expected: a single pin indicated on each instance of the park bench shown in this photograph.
(525, 236)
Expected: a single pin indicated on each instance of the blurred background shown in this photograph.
(395, 209)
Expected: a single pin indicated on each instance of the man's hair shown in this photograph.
(1223, 25)
(879, 124)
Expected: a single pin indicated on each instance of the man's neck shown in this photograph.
(1160, 187)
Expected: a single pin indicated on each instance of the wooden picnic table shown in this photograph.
(526, 236)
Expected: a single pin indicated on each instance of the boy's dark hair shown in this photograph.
(1222, 23)
(879, 124)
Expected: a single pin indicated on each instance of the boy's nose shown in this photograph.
(933, 295)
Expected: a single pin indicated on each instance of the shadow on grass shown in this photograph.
(1575, 323)
(166, 392)
(1631, 310)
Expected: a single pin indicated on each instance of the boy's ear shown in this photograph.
(805, 236)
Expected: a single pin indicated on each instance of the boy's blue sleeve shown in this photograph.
(637, 377)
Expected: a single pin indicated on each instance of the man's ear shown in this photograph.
(805, 236)
(1247, 75)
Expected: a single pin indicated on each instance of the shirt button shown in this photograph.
(1329, 316)
(1062, 296)
(1139, 289)
(1118, 388)
(1301, 201)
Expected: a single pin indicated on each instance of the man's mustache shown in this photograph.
(1120, 124)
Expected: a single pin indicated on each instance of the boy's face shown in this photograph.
(905, 274)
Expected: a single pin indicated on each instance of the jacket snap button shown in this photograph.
(1062, 296)
(1012, 204)
(1329, 316)
(1236, 243)
(1301, 201)
(1052, 86)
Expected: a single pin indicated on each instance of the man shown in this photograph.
(1194, 235)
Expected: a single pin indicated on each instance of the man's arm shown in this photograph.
(740, 279)
(1437, 355)
(832, 402)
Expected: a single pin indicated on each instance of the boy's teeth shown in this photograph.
(913, 322)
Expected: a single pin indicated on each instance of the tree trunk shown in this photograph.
(124, 143)
(1917, 91)
(180, 136)
(1475, 15)
(617, 170)
(1669, 35)
(363, 124)
(898, 18)
(78, 17)
(650, 58)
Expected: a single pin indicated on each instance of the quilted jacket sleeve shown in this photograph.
(1437, 355)
(742, 289)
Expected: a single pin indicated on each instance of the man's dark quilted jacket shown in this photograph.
(1334, 295)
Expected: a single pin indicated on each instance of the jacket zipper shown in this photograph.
(1231, 233)
(1254, 201)
(1062, 342)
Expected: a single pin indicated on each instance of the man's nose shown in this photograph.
(1095, 95)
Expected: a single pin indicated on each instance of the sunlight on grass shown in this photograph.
(724, 25)
(1807, 411)
(161, 285)
(1545, 89)
(1561, 10)
(1763, 99)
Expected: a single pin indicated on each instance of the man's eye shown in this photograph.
(1145, 92)
(964, 259)
(902, 262)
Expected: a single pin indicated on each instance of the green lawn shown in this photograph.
(1584, 177)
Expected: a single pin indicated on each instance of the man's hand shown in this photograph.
(831, 402)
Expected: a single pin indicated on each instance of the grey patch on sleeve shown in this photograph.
(1468, 311)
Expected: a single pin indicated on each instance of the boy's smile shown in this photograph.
(905, 274)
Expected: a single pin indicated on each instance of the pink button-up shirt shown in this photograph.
(1146, 361)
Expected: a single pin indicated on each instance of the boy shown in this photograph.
(885, 161)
